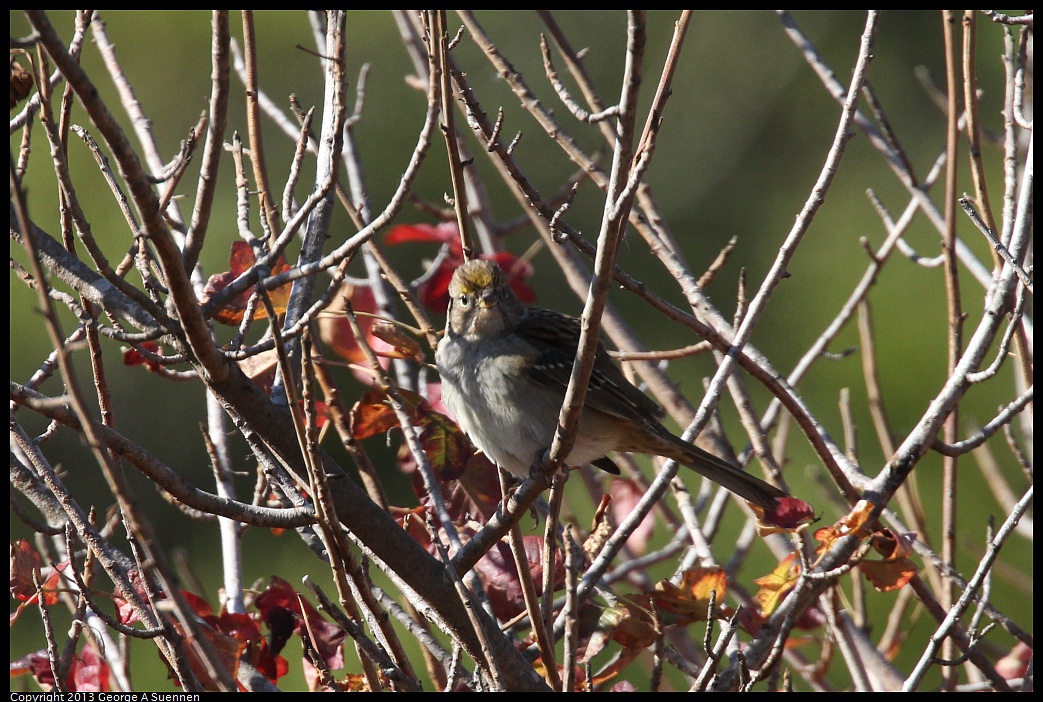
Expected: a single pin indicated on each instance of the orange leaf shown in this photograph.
(853, 523)
(371, 415)
(896, 569)
(891, 545)
(775, 586)
(689, 602)
(892, 574)
(240, 259)
(24, 563)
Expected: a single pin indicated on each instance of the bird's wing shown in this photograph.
(555, 336)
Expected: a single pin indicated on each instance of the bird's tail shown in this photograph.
(746, 486)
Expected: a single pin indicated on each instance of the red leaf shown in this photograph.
(1014, 665)
(285, 612)
(625, 496)
(133, 357)
(24, 562)
(443, 233)
(88, 672)
(336, 333)
(124, 612)
(518, 271)
(500, 576)
(789, 515)
(433, 292)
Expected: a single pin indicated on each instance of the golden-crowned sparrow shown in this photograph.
(505, 367)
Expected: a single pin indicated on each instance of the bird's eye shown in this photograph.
(465, 300)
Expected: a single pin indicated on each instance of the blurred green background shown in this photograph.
(745, 133)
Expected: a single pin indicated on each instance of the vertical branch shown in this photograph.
(655, 114)
(908, 493)
(331, 140)
(218, 120)
(952, 290)
(136, 521)
(616, 214)
(566, 257)
(143, 126)
(341, 559)
(253, 121)
(573, 557)
(1014, 63)
(953, 614)
(544, 642)
(439, 41)
(970, 106)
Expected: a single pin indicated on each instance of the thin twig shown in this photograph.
(997, 245)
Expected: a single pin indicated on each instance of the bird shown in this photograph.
(505, 368)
